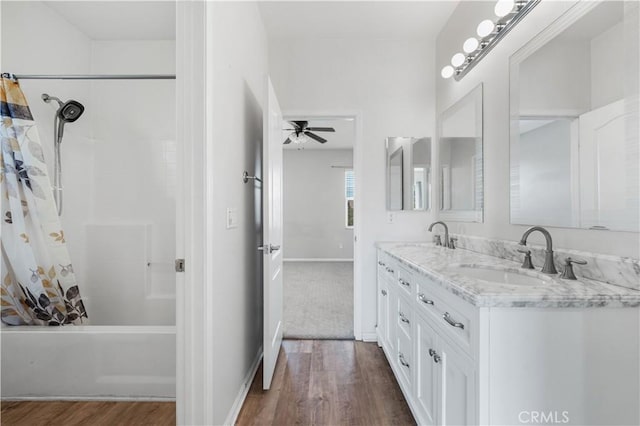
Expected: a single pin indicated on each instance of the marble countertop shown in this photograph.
(433, 262)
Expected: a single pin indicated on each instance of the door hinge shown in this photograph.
(179, 265)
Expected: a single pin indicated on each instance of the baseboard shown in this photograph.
(91, 398)
(244, 391)
(370, 337)
(316, 260)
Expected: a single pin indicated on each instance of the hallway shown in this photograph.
(327, 382)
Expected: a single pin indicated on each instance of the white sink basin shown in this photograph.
(502, 276)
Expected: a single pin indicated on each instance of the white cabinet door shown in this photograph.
(383, 313)
(457, 386)
(427, 372)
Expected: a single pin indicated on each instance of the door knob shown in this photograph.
(268, 248)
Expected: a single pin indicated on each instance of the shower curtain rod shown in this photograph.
(96, 77)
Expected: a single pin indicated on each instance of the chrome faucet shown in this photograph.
(549, 267)
(446, 243)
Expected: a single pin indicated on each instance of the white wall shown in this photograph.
(118, 160)
(545, 180)
(566, 85)
(608, 67)
(238, 49)
(314, 204)
(391, 83)
(493, 72)
(130, 231)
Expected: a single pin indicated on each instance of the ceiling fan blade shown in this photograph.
(321, 129)
(288, 141)
(316, 137)
(299, 124)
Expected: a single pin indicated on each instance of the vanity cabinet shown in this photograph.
(461, 364)
(429, 356)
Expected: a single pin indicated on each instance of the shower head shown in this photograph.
(70, 111)
(47, 99)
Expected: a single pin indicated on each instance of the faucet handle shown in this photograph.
(526, 263)
(567, 272)
(452, 242)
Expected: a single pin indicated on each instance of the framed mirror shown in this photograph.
(396, 169)
(408, 173)
(574, 135)
(460, 160)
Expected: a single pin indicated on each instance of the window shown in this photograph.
(349, 192)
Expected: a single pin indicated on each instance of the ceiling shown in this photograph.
(343, 137)
(355, 19)
(120, 20)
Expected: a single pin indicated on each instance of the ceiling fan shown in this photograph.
(302, 129)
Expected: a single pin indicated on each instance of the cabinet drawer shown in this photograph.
(457, 324)
(405, 360)
(404, 317)
(406, 281)
(386, 267)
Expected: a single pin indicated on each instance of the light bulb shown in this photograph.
(447, 71)
(503, 7)
(470, 45)
(457, 59)
(485, 28)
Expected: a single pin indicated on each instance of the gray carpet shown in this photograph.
(318, 300)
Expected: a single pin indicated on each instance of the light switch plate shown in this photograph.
(232, 218)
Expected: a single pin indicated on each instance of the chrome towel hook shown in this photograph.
(246, 177)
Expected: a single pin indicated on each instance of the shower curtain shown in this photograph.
(38, 284)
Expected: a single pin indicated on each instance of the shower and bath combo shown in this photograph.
(67, 112)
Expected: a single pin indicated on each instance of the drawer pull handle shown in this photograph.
(404, 283)
(389, 270)
(447, 317)
(384, 292)
(436, 358)
(403, 318)
(424, 300)
(431, 352)
(402, 360)
(381, 263)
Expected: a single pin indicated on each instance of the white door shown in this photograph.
(272, 231)
(606, 156)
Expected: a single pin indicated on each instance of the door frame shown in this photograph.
(194, 213)
(358, 161)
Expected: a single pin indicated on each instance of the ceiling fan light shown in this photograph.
(470, 45)
(447, 71)
(485, 28)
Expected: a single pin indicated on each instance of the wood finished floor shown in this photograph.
(89, 413)
(316, 382)
(327, 382)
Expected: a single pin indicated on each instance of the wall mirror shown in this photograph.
(408, 173)
(574, 130)
(460, 159)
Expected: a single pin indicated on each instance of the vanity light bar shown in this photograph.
(500, 28)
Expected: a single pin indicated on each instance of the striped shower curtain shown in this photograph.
(38, 284)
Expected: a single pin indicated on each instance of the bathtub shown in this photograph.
(88, 362)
